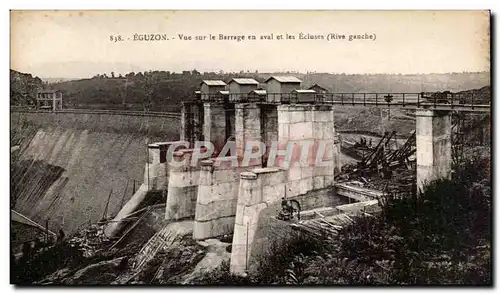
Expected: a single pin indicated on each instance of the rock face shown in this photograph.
(179, 260)
(183, 262)
(170, 256)
(100, 273)
(216, 255)
(165, 240)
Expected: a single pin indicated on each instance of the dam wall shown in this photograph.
(154, 124)
(69, 164)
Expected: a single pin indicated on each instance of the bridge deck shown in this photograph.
(103, 111)
(412, 101)
(432, 101)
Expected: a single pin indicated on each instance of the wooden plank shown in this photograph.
(132, 227)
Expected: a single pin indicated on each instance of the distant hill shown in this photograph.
(57, 80)
(163, 90)
(453, 82)
(482, 94)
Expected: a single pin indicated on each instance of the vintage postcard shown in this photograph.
(250, 148)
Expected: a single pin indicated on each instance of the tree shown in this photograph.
(112, 74)
(123, 93)
(150, 87)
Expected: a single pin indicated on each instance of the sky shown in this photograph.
(77, 44)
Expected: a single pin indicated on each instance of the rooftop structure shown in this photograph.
(257, 95)
(210, 88)
(260, 92)
(304, 91)
(318, 88)
(213, 83)
(244, 81)
(285, 79)
(239, 88)
(280, 87)
(303, 96)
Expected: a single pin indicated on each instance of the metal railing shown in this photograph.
(101, 111)
(433, 101)
(437, 101)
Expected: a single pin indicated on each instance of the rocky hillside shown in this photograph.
(23, 88)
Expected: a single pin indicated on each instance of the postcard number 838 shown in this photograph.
(115, 38)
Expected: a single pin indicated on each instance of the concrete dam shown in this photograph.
(67, 165)
(74, 168)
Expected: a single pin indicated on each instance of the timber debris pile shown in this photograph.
(383, 166)
(90, 240)
(322, 226)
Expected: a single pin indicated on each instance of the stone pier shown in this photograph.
(192, 119)
(247, 129)
(257, 190)
(157, 172)
(433, 133)
(182, 187)
(214, 126)
(309, 126)
(217, 197)
(306, 177)
(269, 127)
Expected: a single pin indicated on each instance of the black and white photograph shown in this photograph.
(250, 148)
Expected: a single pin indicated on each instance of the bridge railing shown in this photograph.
(438, 100)
(99, 111)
